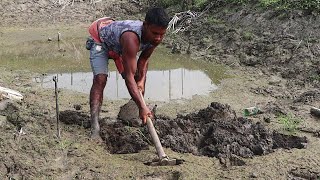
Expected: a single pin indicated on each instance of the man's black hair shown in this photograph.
(157, 16)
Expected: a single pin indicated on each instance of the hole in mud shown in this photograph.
(74, 117)
(215, 131)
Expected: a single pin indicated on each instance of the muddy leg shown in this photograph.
(96, 97)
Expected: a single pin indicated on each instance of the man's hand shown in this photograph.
(141, 86)
(144, 113)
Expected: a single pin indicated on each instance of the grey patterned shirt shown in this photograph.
(111, 34)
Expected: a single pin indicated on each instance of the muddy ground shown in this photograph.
(272, 57)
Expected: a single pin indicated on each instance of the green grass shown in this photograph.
(213, 20)
(266, 3)
(289, 122)
(63, 144)
(315, 77)
(247, 36)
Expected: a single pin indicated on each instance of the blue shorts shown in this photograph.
(99, 59)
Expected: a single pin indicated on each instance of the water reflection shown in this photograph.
(162, 85)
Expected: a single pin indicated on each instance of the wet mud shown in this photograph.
(71, 117)
(303, 173)
(215, 131)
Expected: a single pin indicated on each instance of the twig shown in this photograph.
(93, 2)
(184, 19)
(298, 45)
(19, 134)
(57, 104)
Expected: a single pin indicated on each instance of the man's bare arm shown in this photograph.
(130, 46)
(142, 68)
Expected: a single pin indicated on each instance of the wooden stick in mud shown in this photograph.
(57, 104)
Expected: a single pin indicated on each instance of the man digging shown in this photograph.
(121, 41)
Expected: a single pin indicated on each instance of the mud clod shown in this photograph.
(215, 131)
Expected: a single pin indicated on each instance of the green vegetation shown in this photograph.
(289, 122)
(247, 36)
(315, 77)
(309, 5)
(63, 144)
(213, 20)
(167, 3)
(200, 3)
(266, 3)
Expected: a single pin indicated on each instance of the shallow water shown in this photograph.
(161, 85)
(170, 76)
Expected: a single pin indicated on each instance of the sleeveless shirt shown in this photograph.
(111, 34)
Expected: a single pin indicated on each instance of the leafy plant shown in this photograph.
(63, 144)
(247, 35)
(266, 3)
(289, 122)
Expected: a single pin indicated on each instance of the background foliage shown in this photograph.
(309, 5)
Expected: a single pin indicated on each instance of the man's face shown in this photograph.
(153, 33)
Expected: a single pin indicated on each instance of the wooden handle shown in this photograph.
(154, 135)
(155, 139)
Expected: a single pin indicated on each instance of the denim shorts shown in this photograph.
(99, 59)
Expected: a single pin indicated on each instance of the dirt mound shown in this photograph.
(215, 131)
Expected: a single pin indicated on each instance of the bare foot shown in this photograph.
(95, 136)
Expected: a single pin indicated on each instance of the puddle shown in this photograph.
(170, 76)
(161, 85)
